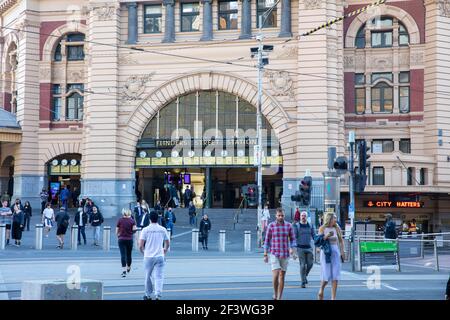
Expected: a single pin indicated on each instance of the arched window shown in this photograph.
(74, 102)
(403, 35)
(382, 101)
(74, 45)
(360, 41)
(382, 33)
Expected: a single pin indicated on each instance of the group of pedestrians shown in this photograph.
(284, 239)
(16, 218)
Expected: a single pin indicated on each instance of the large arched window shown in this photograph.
(360, 41)
(382, 101)
(74, 47)
(382, 33)
(74, 102)
(217, 112)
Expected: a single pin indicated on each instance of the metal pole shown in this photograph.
(222, 240)
(398, 255)
(2, 236)
(137, 235)
(436, 256)
(74, 238)
(106, 238)
(247, 241)
(422, 253)
(351, 138)
(259, 38)
(195, 240)
(38, 238)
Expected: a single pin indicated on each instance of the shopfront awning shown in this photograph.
(10, 130)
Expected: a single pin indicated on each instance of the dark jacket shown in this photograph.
(77, 219)
(304, 233)
(19, 218)
(62, 219)
(205, 226)
(142, 224)
(96, 219)
(192, 210)
(319, 241)
(447, 292)
(28, 211)
(390, 231)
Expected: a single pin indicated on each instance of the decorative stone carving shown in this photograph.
(444, 8)
(105, 13)
(417, 58)
(44, 73)
(349, 62)
(312, 4)
(403, 59)
(76, 76)
(135, 86)
(360, 62)
(381, 63)
(128, 58)
(280, 83)
(288, 52)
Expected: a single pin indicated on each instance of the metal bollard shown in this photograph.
(38, 239)
(222, 240)
(74, 238)
(195, 240)
(137, 235)
(2, 236)
(106, 238)
(398, 255)
(436, 256)
(247, 241)
(422, 252)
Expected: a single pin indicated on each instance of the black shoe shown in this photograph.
(79, 243)
(147, 298)
(124, 274)
(303, 285)
(128, 269)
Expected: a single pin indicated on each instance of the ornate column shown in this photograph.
(285, 30)
(246, 20)
(132, 23)
(169, 30)
(207, 21)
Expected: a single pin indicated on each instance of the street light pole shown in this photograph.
(351, 185)
(259, 38)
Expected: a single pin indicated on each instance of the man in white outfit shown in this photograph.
(151, 244)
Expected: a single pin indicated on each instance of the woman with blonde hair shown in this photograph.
(332, 254)
(126, 227)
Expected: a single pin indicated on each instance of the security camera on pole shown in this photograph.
(261, 52)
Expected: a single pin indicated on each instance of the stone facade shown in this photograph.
(129, 75)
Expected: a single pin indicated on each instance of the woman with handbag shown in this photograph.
(332, 254)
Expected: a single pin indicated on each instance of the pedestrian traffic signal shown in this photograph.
(363, 156)
(359, 182)
(297, 197)
(305, 190)
(251, 194)
(341, 163)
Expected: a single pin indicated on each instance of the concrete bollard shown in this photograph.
(195, 240)
(74, 238)
(137, 235)
(38, 236)
(247, 241)
(106, 238)
(436, 256)
(222, 240)
(2, 236)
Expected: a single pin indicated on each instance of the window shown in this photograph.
(382, 146)
(58, 55)
(75, 53)
(228, 15)
(56, 102)
(403, 35)
(382, 98)
(423, 174)
(382, 22)
(360, 78)
(74, 102)
(378, 176)
(360, 100)
(190, 17)
(404, 99)
(404, 77)
(360, 41)
(74, 44)
(382, 75)
(410, 176)
(269, 20)
(381, 39)
(405, 145)
(152, 18)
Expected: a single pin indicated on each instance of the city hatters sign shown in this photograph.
(393, 204)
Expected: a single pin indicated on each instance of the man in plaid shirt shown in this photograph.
(280, 240)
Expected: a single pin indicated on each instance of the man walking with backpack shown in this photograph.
(304, 233)
(390, 231)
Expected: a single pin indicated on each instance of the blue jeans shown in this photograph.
(192, 220)
(97, 234)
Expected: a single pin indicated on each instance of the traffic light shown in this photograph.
(341, 163)
(363, 157)
(252, 195)
(305, 190)
(359, 182)
(297, 198)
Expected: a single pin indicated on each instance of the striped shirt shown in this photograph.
(279, 238)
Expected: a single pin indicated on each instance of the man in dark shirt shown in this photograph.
(304, 234)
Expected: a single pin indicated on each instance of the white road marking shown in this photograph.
(389, 287)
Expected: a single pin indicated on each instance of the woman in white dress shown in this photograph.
(331, 272)
(48, 217)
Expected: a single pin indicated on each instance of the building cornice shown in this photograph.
(5, 5)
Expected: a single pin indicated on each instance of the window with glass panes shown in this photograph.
(404, 92)
(269, 20)
(410, 176)
(382, 33)
(152, 18)
(74, 43)
(228, 15)
(405, 145)
(190, 17)
(403, 35)
(423, 175)
(360, 41)
(382, 146)
(378, 176)
(360, 93)
(74, 101)
(56, 102)
(382, 95)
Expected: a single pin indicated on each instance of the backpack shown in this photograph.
(390, 230)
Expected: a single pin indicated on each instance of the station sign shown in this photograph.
(393, 204)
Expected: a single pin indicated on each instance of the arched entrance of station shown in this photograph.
(205, 140)
(7, 176)
(64, 170)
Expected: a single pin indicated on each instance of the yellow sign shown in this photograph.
(175, 161)
(65, 169)
(75, 169)
(55, 169)
(208, 160)
(143, 161)
(159, 161)
(240, 160)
